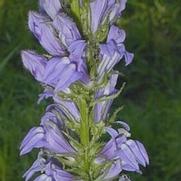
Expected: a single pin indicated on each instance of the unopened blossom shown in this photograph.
(82, 46)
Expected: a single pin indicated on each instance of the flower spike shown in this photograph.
(77, 73)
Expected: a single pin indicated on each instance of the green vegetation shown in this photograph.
(152, 96)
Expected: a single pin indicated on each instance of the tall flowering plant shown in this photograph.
(78, 138)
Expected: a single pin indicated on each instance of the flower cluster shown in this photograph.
(76, 137)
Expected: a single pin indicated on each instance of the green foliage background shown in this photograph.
(152, 96)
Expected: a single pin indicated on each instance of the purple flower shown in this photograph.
(101, 109)
(38, 166)
(43, 30)
(126, 154)
(77, 55)
(114, 171)
(117, 9)
(105, 10)
(50, 171)
(59, 73)
(113, 51)
(66, 127)
(118, 36)
(52, 8)
(53, 114)
(110, 56)
(70, 75)
(68, 108)
(34, 63)
(99, 12)
(67, 29)
(46, 136)
(32, 140)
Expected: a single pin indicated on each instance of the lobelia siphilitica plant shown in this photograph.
(77, 136)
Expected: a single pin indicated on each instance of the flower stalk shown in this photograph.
(84, 128)
(76, 137)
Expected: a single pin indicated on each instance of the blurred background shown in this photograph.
(152, 97)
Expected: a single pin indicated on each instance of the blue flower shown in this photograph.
(77, 75)
(49, 171)
(103, 11)
(126, 154)
(47, 136)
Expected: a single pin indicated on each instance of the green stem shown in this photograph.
(75, 8)
(84, 128)
(83, 101)
(85, 132)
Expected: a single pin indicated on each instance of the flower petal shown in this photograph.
(135, 149)
(129, 161)
(98, 9)
(34, 63)
(110, 57)
(52, 8)
(68, 76)
(67, 29)
(55, 141)
(54, 69)
(37, 166)
(114, 171)
(32, 140)
(116, 34)
(117, 9)
(42, 28)
(143, 151)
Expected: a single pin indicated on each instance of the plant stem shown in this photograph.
(75, 7)
(84, 102)
(84, 128)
